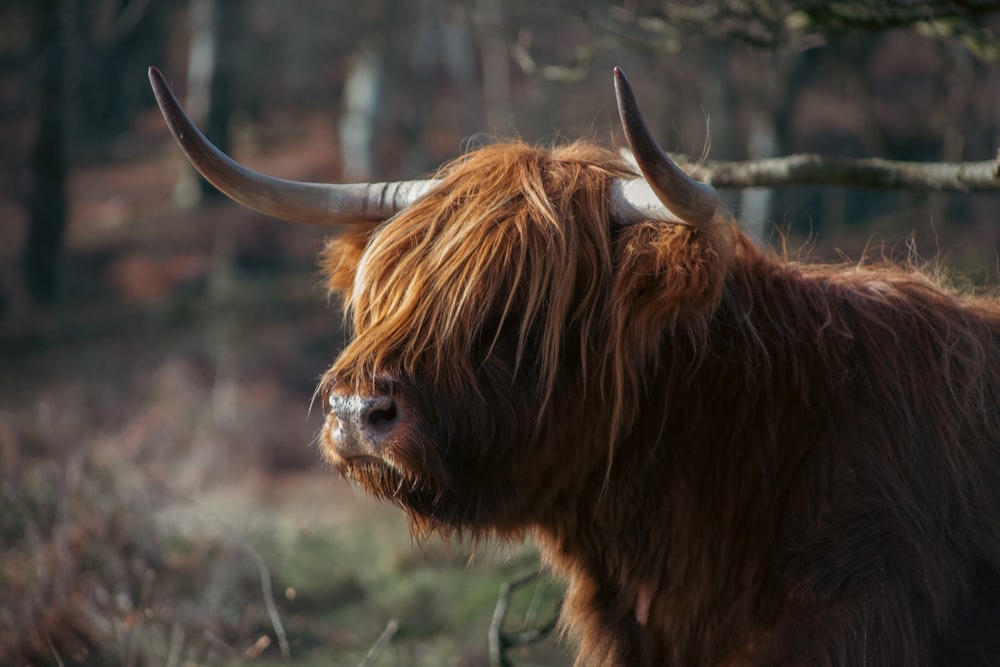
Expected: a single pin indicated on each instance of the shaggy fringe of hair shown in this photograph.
(541, 216)
(498, 207)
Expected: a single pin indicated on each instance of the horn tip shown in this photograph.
(159, 84)
(623, 93)
(620, 78)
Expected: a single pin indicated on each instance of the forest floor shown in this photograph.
(162, 497)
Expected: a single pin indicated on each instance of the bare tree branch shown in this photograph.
(567, 73)
(810, 169)
(792, 25)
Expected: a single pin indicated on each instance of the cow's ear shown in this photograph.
(341, 256)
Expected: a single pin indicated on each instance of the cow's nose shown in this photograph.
(363, 423)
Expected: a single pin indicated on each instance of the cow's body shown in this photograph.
(805, 471)
(732, 460)
(822, 489)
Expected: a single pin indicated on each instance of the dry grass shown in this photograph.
(156, 468)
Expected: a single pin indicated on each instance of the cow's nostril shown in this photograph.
(382, 419)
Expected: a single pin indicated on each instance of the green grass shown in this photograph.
(149, 577)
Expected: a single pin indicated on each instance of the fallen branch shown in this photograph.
(500, 641)
(262, 570)
(810, 169)
(383, 640)
(272, 608)
(55, 653)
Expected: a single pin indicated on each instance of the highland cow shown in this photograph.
(731, 459)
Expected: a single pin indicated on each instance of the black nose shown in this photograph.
(363, 423)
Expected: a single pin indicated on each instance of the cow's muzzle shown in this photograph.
(365, 424)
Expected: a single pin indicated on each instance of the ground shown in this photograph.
(161, 486)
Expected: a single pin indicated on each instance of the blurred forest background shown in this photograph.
(162, 499)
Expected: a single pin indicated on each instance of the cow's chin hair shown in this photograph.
(453, 467)
(387, 482)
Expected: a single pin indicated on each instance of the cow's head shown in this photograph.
(505, 314)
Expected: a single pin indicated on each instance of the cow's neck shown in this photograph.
(680, 508)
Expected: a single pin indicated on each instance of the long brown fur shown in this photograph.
(732, 460)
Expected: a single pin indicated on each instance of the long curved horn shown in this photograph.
(318, 203)
(689, 201)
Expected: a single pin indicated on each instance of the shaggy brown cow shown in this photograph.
(733, 460)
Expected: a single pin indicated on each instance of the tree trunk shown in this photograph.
(227, 25)
(202, 53)
(47, 202)
(358, 118)
(496, 65)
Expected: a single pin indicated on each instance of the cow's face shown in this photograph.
(505, 324)
(479, 316)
